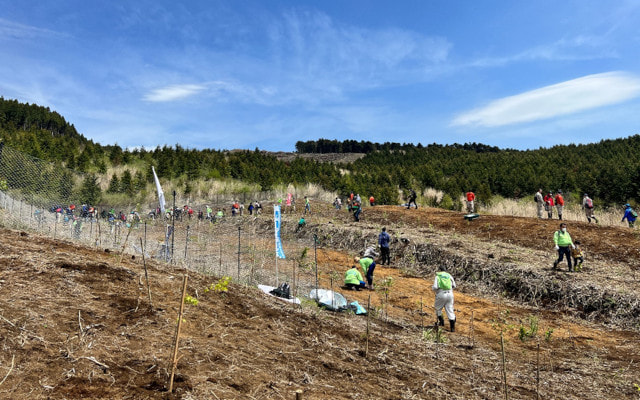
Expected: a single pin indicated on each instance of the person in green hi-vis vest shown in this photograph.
(443, 285)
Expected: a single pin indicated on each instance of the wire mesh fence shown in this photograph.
(44, 197)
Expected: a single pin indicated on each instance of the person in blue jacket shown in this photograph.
(630, 215)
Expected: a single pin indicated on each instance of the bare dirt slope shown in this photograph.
(75, 323)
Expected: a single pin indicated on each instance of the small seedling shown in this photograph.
(531, 331)
(547, 334)
(434, 335)
(191, 300)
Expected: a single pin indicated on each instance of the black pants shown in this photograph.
(384, 255)
(412, 200)
(562, 251)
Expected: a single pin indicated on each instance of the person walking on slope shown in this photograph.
(587, 204)
(307, 205)
(383, 241)
(470, 200)
(443, 286)
(562, 241)
(630, 215)
(412, 199)
(559, 200)
(372, 201)
(539, 203)
(548, 205)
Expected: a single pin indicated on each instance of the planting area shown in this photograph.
(75, 321)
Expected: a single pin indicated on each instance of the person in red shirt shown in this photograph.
(470, 200)
(372, 201)
(548, 205)
(559, 203)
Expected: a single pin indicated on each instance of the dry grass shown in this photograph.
(527, 208)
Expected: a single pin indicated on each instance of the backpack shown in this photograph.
(444, 281)
(589, 203)
(634, 214)
(282, 291)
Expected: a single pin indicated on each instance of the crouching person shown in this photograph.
(353, 279)
(443, 286)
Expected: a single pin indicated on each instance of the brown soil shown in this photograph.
(75, 323)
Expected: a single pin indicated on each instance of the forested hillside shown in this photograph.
(608, 170)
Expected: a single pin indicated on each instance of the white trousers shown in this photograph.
(444, 298)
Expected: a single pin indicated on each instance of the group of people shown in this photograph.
(548, 203)
(443, 283)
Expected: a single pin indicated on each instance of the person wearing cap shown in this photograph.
(353, 279)
(548, 205)
(539, 203)
(368, 265)
(587, 205)
(443, 286)
(559, 200)
(562, 241)
(630, 215)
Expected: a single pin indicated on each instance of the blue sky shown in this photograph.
(247, 74)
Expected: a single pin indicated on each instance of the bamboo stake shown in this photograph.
(421, 317)
(174, 363)
(366, 348)
(504, 367)
(146, 274)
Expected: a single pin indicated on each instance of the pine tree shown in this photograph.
(114, 184)
(90, 192)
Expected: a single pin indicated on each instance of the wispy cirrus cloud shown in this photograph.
(14, 30)
(173, 92)
(564, 98)
(577, 48)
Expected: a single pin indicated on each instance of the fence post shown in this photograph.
(315, 254)
(186, 243)
(173, 225)
(239, 254)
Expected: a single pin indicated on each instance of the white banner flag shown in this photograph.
(160, 192)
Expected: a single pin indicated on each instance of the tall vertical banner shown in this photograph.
(160, 192)
(276, 219)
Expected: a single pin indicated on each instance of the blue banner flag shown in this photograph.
(276, 219)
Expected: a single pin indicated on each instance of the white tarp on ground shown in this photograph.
(267, 289)
(329, 299)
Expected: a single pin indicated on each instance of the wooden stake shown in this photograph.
(538, 372)
(174, 362)
(504, 367)
(472, 332)
(124, 245)
(298, 394)
(146, 274)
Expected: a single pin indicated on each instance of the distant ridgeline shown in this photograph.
(609, 170)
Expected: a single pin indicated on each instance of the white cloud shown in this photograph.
(568, 97)
(173, 92)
